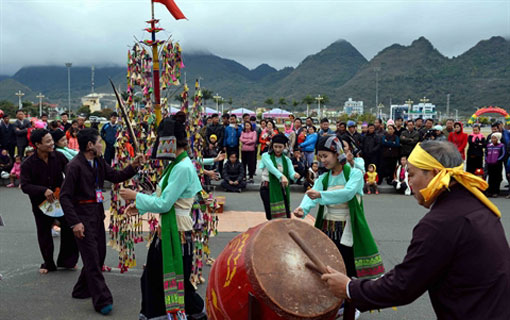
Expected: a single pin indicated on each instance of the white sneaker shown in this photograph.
(357, 314)
(55, 233)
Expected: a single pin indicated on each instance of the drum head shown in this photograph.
(278, 273)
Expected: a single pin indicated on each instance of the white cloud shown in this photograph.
(280, 33)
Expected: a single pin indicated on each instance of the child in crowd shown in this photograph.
(15, 171)
(233, 174)
(5, 161)
(494, 155)
(311, 175)
(400, 178)
(371, 180)
(72, 141)
(29, 151)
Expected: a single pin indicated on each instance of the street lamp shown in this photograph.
(319, 99)
(40, 96)
(19, 94)
(68, 66)
(217, 97)
(376, 70)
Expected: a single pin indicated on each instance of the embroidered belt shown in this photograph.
(87, 201)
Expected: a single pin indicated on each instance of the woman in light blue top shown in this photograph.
(60, 140)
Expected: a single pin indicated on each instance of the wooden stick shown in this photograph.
(125, 117)
(312, 267)
(320, 266)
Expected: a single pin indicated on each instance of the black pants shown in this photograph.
(473, 163)
(153, 295)
(495, 177)
(91, 282)
(388, 168)
(403, 187)
(233, 188)
(347, 252)
(249, 161)
(264, 195)
(68, 254)
(21, 150)
(109, 154)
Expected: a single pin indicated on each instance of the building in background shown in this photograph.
(98, 101)
(351, 107)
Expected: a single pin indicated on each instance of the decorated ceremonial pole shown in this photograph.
(155, 67)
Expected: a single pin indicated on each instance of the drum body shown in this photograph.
(266, 263)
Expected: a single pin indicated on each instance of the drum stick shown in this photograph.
(124, 115)
(312, 267)
(320, 266)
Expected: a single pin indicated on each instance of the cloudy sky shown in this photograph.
(278, 32)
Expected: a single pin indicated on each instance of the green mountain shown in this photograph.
(322, 72)
(478, 77)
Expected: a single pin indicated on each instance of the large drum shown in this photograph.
(268, 265)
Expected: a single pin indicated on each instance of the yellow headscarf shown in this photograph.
(423, 160)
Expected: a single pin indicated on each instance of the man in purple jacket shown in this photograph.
(458, 253)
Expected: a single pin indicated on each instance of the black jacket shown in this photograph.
(371, 145)
(233, 171)
(7, 135)
(408, 141)
(21, 128)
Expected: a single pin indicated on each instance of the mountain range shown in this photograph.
(478, 77)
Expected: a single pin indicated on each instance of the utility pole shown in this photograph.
(92, 78)
(447, 105)
(410, 102)
(40, 96)
(217, 97)
(376, 70)
(456, 115)
(319, 99)
(68, 66)
(19, 94)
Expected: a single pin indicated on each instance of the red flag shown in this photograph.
(173, 8)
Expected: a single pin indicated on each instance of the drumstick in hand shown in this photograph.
(320, 266)
(312, 267)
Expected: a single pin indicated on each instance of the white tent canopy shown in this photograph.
(276, 113)
(241, 111)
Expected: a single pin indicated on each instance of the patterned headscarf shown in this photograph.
(332, 144)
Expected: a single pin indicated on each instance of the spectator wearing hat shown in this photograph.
(353, 137)
(7, 135)
(494, 155)
(109, 136)
(439, 133)
(390, 152)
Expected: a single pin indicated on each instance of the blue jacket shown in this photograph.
(109, 133)
(309, 144)
(231, 138)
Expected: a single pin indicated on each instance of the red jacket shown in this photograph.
(459, 139)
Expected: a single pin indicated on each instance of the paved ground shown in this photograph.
(24, 294)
